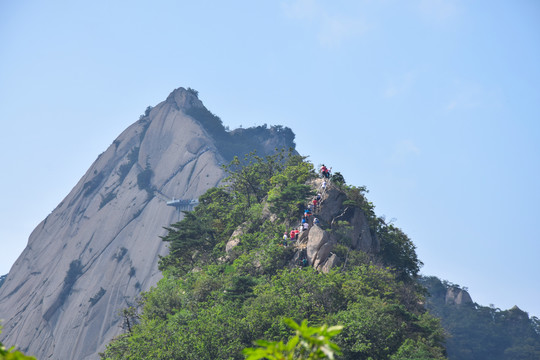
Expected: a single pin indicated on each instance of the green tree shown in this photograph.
(417, 350)
(249, 179)
(307, 343)
(338, 178)
(398, 251)
(191, 238)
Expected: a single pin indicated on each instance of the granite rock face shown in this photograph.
(332, 261)
(99, 248)
(319, 245)
(332, 209)
(457, 296)
(234, 240)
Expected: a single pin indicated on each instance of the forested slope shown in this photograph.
(478, 332)
(230, 279)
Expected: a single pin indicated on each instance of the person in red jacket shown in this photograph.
(324, 170)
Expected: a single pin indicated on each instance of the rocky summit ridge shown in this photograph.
(99, 248)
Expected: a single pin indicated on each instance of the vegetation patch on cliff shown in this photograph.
(73, 273)
(94, 299)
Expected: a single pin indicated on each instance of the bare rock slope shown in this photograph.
(99, 248)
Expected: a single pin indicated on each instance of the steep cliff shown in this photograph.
(99, 248)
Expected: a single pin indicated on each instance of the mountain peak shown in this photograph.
(184, 99)
(99, 248)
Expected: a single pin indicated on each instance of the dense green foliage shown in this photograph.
(479, 332)
(211, 304)
(309, 343)
(91, 185)
(397, 250)
(124, 169)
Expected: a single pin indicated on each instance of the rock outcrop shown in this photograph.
(331, 262)
(234, 240)
(332, 210)
(316, 244)
(319, 245)
(99, 248)
(457, 296)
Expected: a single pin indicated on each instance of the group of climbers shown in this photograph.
(293, 235)
(312, 208)
(315, 202)
(304, 225)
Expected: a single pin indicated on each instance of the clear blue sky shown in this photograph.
(433, 105)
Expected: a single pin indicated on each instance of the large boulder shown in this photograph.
(360, 233)
(332, 209)
(457, 296)
(331, 204)
(332, 261)
(319, 246)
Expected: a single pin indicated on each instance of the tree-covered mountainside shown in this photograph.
(230, 278)
(478, 332)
